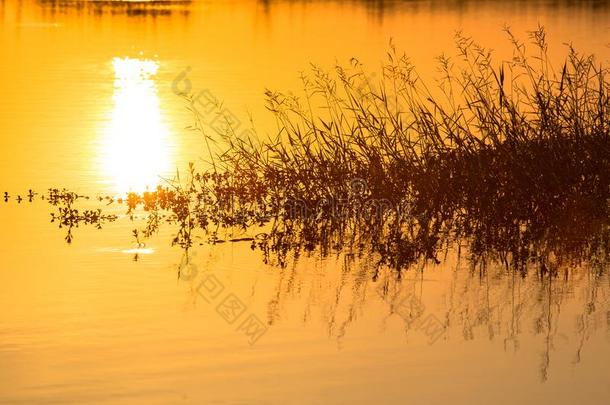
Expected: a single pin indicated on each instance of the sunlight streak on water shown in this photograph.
(135, 146)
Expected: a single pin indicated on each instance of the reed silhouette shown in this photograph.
(510, 160)
(504, 168)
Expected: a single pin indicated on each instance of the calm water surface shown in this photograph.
(89, 103)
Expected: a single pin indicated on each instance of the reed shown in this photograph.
(511, 159)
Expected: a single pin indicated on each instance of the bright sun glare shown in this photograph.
(136, 141)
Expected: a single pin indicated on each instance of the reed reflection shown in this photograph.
(475, 293)
(460, 300)
(381, 8)
(135, 8)
(378, 9)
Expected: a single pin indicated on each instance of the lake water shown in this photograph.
(89, 102)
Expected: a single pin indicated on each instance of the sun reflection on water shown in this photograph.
(135, 144)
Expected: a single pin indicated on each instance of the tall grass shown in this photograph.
(511, 157)
(508, 155)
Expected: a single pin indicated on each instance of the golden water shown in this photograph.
(88, 102)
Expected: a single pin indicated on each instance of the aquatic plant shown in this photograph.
(510, 160)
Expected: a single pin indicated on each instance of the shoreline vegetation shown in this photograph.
(507, 159)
